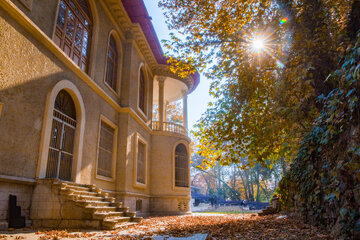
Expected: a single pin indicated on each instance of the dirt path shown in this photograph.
(229, 226)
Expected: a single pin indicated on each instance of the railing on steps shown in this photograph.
(169, 127)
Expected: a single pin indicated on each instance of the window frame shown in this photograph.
(138, 138)
(186, 144)
(144, 114)
(114, 153)
(90, 31)
(1, 107)
(118, 64)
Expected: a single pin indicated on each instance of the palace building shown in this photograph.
(79, 144)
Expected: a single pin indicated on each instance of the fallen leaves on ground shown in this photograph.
(57, 235)
(230, 226)
(236, 226)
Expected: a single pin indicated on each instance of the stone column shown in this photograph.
(161, 81)
(185, 111)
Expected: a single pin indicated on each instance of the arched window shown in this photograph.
(142, 88)
(112, 62)
(181, 166)
(73, 30)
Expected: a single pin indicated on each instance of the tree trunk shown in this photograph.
(354, 20)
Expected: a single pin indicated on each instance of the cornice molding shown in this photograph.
(164, 70)
(134, 32)
(119, 13)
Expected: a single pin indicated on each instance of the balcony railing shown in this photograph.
(169, 127)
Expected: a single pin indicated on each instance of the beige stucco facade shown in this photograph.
(33, 70)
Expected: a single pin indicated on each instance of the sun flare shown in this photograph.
(258, 44)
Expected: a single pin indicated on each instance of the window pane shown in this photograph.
(181, 166)
(61, 16)
(74, 30)
(106, 147)
(140, 168)
(142, 91)
(111, 71)
(70, 27)
(78, 36)
(85, 43)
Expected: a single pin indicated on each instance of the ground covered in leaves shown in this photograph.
(228, 226)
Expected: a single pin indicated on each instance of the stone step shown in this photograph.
(109, 199)
(86, 203)
(78, 188)
(124, 225)
(86, 198)
(100, 205)
(108, 215)
(130, 214)
(84, 193)
(117, 204)
(76, 184)
(96, 210)
(115, 222)
(123, 209)
(136, 219)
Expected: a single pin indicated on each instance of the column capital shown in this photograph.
(160, 79)
(184, 93)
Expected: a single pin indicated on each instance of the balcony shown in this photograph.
(167, 92)
(169, 127)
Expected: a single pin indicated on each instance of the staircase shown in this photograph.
(96, 205)
(268, 211)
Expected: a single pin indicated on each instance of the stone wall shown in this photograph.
(23, 194)
(170, 205)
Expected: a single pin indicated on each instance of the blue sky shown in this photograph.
(197, 100)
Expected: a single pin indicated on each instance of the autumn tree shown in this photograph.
(174, 112)
(234, 183)
(266, 100)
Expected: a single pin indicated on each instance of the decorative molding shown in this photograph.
(27, 3)
(134, 115)
(173, 196)
(164, 70)
(134, 32)
(15, 179)
(135, 194)
(118, 11)
(171, 134)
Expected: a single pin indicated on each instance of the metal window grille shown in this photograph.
(140, 165)
(181, 166)
(106, 149)
(60, 158)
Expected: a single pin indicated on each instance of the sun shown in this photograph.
(258, 44)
